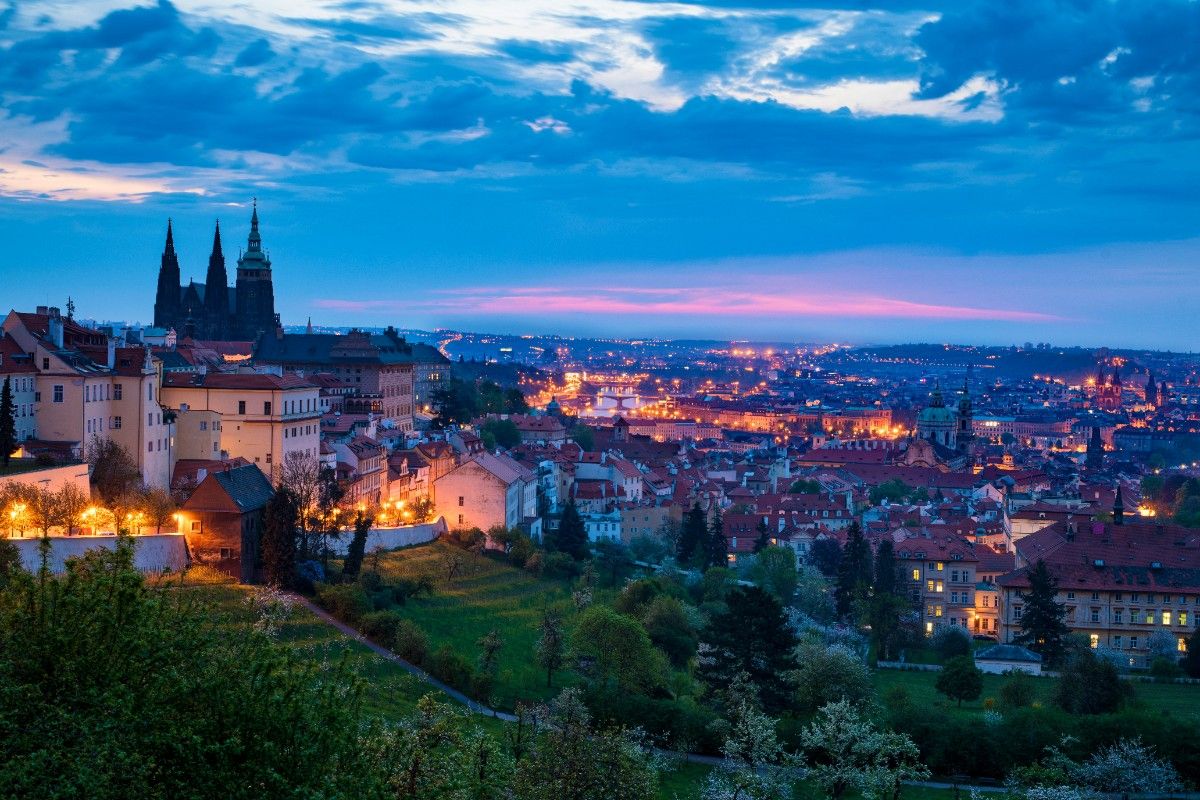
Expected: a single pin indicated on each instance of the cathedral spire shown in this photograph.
(216, 290)
(167, 297)
(169, 249)
(216, 248)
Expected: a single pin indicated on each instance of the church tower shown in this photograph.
(216, 294)
(255, 291)
(966, 417)
(166, 299)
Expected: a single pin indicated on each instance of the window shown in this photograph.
(1095, 595)
(204, 425)
(241, 406)
(116, 391)
(1133, 643)
(226, 552)
(149, 447)
(1166, 618)
(1183, 618)
(916, 574)
(1181, 645)
(1116, 641)
(45, 363)
(940, 566)
(1017, 611)
(462, 501)
(1095, 615)
(1070, 595)
(116, 422)
(266, 408)
(1094, 640)
(58, 392)
(1117, 614)
(1149, 616)
(460, 519)
(195, 524)
(1117, 596)
(268, 458)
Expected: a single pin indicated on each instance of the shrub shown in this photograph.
(381, 627)
(346, 601)
(1165, 669)
(451, 667)
(558, 565)
(829, 674)
(411, 642)
(1018, 691)
(1090, 685)
(950, 641)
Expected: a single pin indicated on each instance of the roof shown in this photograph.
(247, 486)
(237, 380)
(355, 348)
(1007, 652)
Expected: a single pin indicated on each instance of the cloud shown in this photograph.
(690, 302)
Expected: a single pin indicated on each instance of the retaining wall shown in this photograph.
(152, 552)
(391, 538)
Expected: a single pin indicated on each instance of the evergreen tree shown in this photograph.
(886, 602)
(751, 635)
(695, 527)
(854, 573)
(572, 537)
(718, 545)
(280, 522)
(358, 545)
(1042, 626)
(764, 537)
(8, 422)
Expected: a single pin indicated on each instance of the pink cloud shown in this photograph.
(684, 302)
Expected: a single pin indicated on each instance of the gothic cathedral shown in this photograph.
(213, 310)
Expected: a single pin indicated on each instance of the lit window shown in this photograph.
(1166, 618)
(940, 566)
(1094, 640)
(916, 575)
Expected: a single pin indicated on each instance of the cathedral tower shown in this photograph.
(167, 298)
(255, 291)
(216, 293)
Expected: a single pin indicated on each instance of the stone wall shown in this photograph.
(391, 538)
(152, 552)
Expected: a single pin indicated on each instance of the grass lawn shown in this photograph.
(390, 691)
(486, 595)
(1180, 700)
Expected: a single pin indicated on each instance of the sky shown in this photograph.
(968, 171)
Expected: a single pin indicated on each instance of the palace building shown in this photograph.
(214, 310)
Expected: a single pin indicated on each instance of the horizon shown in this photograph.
(746, 170)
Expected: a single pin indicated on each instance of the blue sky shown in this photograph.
(961, 171)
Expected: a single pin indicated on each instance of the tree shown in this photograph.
(500, 432)
(717, 547)
(490, 645)
(573, 760)
(805, 486)
(280, 523)
(571, 537)
(1091, 685)
(854, 573)
(894, 491)
(763, 539)
(828, 674)
(774, 570)
(612, 560)
(613, 647)
(886, 603)
(951, 641)
(695, 528)
(185, 675)
(8, 422)
(752, 636)
(670, 630)
(158, 505)
(826, 555)
(551, 646)
(1191, 660)
(114, 471)
(438, 752)
(455, 402)
(755, 766)
(1042, 627)
(358, 544)
(583, 436)
(960, 679)
(846, 752)
(72, 503)
(300, 475)
(1128, 767)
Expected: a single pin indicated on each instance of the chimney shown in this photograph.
(43, 310)
(56, 331)
(111, 357)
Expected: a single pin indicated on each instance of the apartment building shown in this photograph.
(262, 418)
(87, 386)
(1120, 582)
